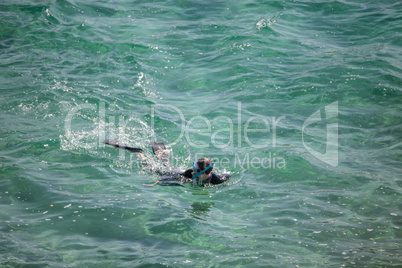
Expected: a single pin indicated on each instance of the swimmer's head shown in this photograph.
(202, 164)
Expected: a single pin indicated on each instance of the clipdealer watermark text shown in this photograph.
(239, 129)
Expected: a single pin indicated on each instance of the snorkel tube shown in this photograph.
(202, 171)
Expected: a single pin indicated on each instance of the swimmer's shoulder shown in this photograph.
(218, 179)
(188, 173)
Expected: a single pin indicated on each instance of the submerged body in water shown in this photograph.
(177, 179)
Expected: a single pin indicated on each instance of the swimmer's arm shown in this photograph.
(151, 185)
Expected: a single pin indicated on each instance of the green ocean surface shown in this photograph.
(301, 101)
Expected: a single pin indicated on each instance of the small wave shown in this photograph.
(267, 23)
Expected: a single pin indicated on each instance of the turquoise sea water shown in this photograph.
(299, 100)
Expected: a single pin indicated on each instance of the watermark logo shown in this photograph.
(331, 152)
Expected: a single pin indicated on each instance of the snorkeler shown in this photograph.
(201, 173)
